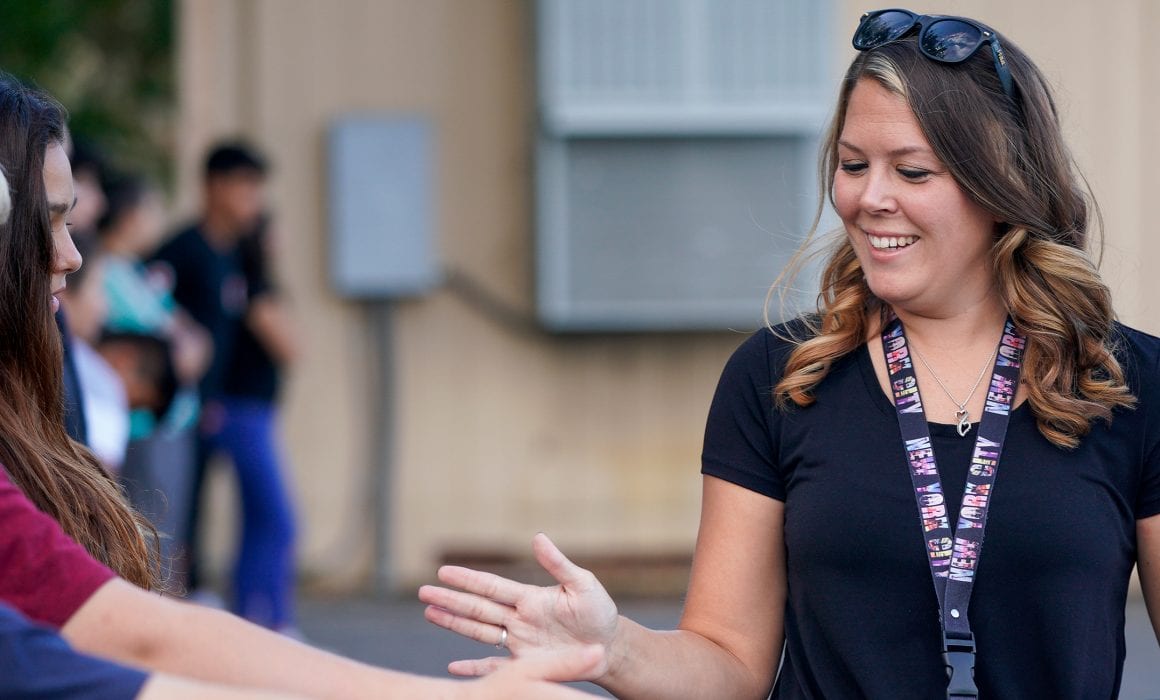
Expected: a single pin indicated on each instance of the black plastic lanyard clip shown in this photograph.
(959, 657)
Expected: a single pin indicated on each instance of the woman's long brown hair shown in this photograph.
(59, 476)
(1010, 158)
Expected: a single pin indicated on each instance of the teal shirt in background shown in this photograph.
(138, 304)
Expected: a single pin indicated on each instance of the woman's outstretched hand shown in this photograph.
(567, 617)
(532, 677)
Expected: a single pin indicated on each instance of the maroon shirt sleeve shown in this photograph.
(43, 574)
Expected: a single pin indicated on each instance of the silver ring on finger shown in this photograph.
(503, 635)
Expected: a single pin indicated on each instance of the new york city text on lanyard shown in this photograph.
(954, 555)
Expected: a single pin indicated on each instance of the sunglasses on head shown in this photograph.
(941, 38)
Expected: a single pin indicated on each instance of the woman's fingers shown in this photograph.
(478, 667)
(535, 618)
(466, 605)
(508, 592)
(555, 563)
(497, 588)
(573, 665)
(479, 631)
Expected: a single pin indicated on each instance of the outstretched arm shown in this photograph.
(126, 624)
(727, 644)
(38, 663)
(164, 687)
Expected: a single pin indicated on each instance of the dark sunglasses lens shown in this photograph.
(950, 40)
(882, 28)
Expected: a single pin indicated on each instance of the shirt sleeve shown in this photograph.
(46, 575)
(36, 664)
(1141, 363)
(739, 439)
(1148, 502)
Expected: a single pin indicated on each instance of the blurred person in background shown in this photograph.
(201, 262)
(102, 391)
(89, 175)
(159, 461)
(219, 273)
(131, 228)
(263, 579)
(144, 364)
(89, 205)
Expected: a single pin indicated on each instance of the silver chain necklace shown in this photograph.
(961, 415)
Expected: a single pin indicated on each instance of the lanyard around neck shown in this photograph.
(953, 555)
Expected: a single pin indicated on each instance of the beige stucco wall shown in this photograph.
(499, 433)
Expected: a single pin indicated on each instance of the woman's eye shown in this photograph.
(853, 167)
(913, 173)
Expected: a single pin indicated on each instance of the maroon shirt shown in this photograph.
(43, 573)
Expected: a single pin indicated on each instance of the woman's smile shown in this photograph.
(890, 241)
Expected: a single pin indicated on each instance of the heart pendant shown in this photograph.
(964, 424)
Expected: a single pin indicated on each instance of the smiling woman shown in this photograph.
(921, 241)
(1003, 173)
(847, 487)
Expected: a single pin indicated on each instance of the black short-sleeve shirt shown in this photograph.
(251, 371)
(209, 284)
(861, 617)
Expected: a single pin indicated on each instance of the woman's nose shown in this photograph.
(65, 254)
(877, 192)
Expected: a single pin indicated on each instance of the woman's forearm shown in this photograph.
(260, 658)
(644, 664)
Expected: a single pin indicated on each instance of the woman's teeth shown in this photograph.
(884, 242)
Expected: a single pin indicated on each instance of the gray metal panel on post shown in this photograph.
(382, 199)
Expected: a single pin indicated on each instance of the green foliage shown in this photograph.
(110, 62)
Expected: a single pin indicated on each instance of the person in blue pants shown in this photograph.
(219, 274)
(263, 577)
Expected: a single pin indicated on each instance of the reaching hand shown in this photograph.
(531, 677)
(563, 618)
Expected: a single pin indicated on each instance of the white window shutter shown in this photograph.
(683, 65)
(676, 164)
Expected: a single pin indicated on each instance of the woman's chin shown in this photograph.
(891, 291)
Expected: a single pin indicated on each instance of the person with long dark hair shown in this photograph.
(61, 477)
(98, 596)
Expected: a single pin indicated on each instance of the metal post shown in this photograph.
(382, 424)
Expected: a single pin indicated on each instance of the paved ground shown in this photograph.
(393, 633)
